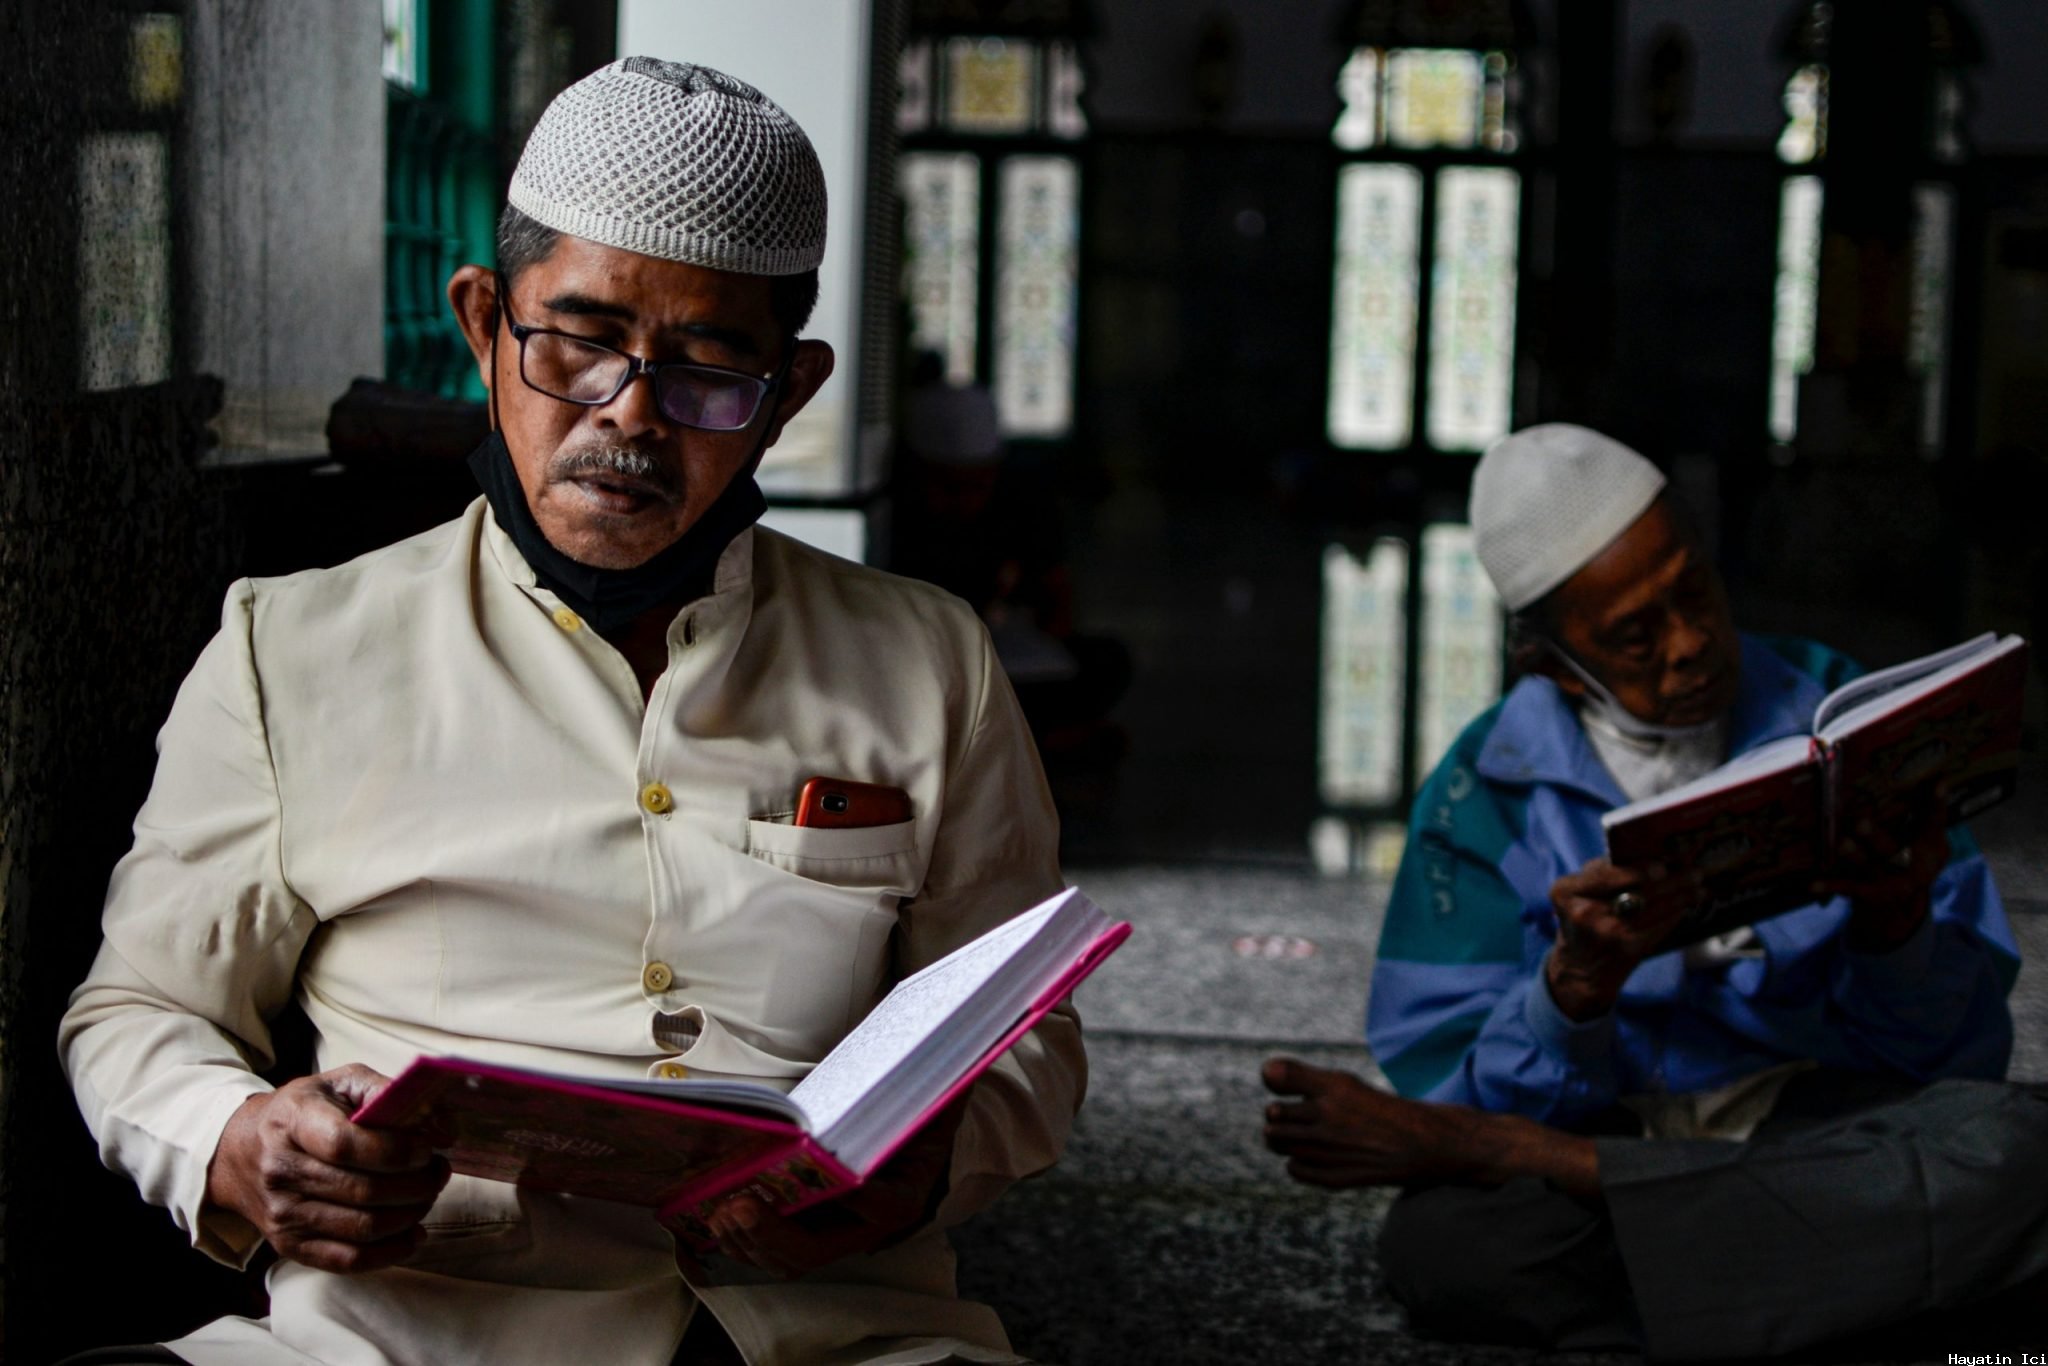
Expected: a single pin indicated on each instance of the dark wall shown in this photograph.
(113, 555)
(116, 548)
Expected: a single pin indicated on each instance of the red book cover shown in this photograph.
(1958, 742)
(1761, 829)
(1756, 843)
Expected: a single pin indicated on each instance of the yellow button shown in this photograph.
(672, 1071)
(657, 977)
(568, 620)
(656, 798)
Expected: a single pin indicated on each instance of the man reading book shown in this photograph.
(523, 788)
(1790, 1131)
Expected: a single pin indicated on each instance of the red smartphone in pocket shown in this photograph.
(840, 804)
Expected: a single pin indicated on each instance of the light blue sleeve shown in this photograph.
(1933, 1007)
(1936, 1005)
(1459, 1011)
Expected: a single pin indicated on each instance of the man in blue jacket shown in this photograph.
(1830, 1144)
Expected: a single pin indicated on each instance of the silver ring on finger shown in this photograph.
(1628, 905)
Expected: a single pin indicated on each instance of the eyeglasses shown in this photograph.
(576, 370)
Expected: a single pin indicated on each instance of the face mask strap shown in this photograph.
(1620, 717)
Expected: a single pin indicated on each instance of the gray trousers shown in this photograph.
(1858, 1204)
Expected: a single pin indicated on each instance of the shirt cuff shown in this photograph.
(221, 1234)
(1582, 1043)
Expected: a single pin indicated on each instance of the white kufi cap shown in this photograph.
(1546, 500)
(680, 162)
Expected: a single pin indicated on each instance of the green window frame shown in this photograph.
(442, 182)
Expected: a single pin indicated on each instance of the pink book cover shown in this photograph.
(585, 1138)
(554, 1133)
(811, 1174)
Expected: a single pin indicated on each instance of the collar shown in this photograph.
(1537, 738)
(610, 598)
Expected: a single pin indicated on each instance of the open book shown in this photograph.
(1885, 748)
(678, 1146)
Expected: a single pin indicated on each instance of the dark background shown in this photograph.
(1200, 489)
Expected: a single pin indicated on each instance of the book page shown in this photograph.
(1777, 756)
(729, 1095)
(1872, 706)
(1857, 691)
(920, 1006)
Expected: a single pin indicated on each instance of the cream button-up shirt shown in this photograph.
(416, 794)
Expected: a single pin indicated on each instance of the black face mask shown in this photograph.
(610, 598)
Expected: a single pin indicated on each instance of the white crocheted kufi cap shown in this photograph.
(680, 162)
(1547, 500)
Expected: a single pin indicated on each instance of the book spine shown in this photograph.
(1824, 754)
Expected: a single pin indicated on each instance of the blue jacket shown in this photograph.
(1459, 1010)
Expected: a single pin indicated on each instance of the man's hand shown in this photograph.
(321, 1190)
(897, 1199)
(1889, 883)
(1343, 1132)
(1601, 937)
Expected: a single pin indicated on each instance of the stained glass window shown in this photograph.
(1372, 327)
(1039, 230)
(1934, 218)
(124, 260)
(1472, 317)
(1460, 667)
(1426, 97)
(1434, 97)
(1364, 640)
(403, 62)
(1805, 135)
(1796, 302)
(942, 255)
(1497, 130)
(156, 61)
(1951, 103)
(1795, 297)
(1358, 85)
(1401, 98)
(991, 85)
(914, 88)
(1064, 82)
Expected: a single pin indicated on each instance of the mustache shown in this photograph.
(625, 461)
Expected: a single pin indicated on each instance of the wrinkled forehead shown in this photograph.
(609, 285)
(1634, 569)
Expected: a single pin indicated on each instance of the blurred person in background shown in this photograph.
(975, 523)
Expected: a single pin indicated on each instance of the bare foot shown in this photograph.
(1343, 1132)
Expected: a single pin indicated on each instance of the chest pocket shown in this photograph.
(826, 900)
(876, 858)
